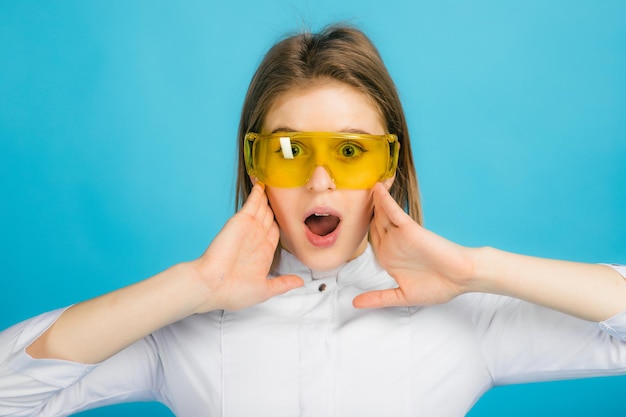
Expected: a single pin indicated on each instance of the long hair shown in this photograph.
(338, 53)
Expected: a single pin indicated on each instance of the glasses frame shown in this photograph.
(390, 139)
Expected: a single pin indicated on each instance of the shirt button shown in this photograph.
(322, 288)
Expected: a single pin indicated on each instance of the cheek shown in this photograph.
(281, 203)
(363, 208)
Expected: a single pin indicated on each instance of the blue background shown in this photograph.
(118, 122)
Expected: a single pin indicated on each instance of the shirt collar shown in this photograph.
(361, 268)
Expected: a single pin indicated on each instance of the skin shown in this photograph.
(431, 270)
(328, 107)
(232, 272)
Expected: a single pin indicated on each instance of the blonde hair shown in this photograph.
(338, 53)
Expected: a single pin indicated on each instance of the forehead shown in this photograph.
(325, 107)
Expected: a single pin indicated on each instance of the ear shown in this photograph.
(253, 180)
(389, 181)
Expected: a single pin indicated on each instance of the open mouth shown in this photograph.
(322, 224)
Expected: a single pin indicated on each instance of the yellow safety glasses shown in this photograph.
(353, 160)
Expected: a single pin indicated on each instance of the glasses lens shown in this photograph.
(352, 160)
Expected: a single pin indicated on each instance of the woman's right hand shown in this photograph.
(235, 266)
(231, 274)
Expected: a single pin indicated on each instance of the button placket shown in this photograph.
(316, 371)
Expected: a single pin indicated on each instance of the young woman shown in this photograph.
(325, 168)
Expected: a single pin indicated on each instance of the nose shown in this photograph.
(320, 180)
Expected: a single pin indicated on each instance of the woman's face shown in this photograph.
(321, 225)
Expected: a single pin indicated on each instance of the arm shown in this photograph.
(31, 387)
(430, 269)
(231, 274)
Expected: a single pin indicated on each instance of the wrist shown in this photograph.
(202, 293)
(483, 279)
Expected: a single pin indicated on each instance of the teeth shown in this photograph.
(322, 214)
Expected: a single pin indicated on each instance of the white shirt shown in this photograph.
(310, 353)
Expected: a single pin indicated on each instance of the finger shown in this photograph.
(379, 223)
(264, 206)
(376, 228)
(384, 201)
(254, 200)
(380, 298)
(268, 217)
(374, 235)
(283, 283)
(273, 234)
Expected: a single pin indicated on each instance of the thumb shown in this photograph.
(380, 298)
(283, 283)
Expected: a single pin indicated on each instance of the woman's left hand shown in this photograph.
(428, 268)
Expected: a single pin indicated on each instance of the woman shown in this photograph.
(324, 141)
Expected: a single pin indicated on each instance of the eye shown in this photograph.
(296, 149)
(350, 150)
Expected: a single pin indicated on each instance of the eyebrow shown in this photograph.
(282, 129)
(347, 130)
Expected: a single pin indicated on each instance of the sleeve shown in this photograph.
(616, 325)
(523, 342)
(50, 387)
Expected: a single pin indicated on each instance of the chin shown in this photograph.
(322, 263)
(329, 258)
(326, 258)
